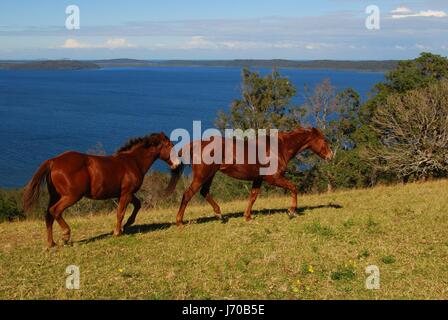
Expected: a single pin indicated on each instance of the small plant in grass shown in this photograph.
(306, 269)
(373, 226)
(364, 254)
(296, 286)
(388, 259)
(318, 229)
(372, 223)
(348, 223)
(344, 272)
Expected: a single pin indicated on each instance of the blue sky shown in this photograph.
(199, 29)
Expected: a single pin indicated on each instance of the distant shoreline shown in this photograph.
(336, 65)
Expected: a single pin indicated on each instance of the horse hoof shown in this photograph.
(180, 224)
(67, 243)
(51, 245)
(224, 219)
(292, 215)
(127, 225)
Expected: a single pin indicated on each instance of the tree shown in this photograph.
(265, 103)
(408, 75)
(337, 115)
(413, 133)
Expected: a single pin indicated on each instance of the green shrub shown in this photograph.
(9, 209)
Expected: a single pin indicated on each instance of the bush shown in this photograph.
(413, 130)
(9, 209)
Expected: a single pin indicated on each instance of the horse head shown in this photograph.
(166, 152)
(319, 145)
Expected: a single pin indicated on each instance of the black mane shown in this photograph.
(151, 140)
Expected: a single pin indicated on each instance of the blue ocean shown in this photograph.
(44, 113)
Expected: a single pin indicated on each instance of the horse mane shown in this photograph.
(147, 141)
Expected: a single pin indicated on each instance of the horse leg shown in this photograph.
(49, 219)
(205, 192)
(282, 182)
(49, 224)
(137, 205)
(57, 210)
(252, 197)
(125, 199)
(188, 194)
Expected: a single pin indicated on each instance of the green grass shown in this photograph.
(321, 254)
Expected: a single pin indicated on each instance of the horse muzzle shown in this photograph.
(175, 163)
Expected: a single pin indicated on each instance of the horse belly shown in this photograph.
(241, 171)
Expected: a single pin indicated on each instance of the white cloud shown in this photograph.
(109, 44)
(403, 12)
(212, 43)
(199, 42)
(423, 47)
(74, 44)
(312, 46)
(117, 43)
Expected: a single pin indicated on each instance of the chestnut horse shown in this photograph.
(289, 145)
(73, 175)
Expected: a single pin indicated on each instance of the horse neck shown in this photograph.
(296, 141)
(144, 158)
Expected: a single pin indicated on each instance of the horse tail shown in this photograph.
(175, 175)
(32, 189)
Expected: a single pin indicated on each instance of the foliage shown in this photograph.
(409, 75)
(337, 115)
(413, 130)
(9, 209)
(265, 103)
(426, 70)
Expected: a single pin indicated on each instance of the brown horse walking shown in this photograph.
(73, 175)
(289, 145)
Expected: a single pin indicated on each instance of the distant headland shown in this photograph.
(368, 65)
(48, 65)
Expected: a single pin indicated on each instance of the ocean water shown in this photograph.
(43, 113)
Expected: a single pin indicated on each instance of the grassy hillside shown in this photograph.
(322, 254)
